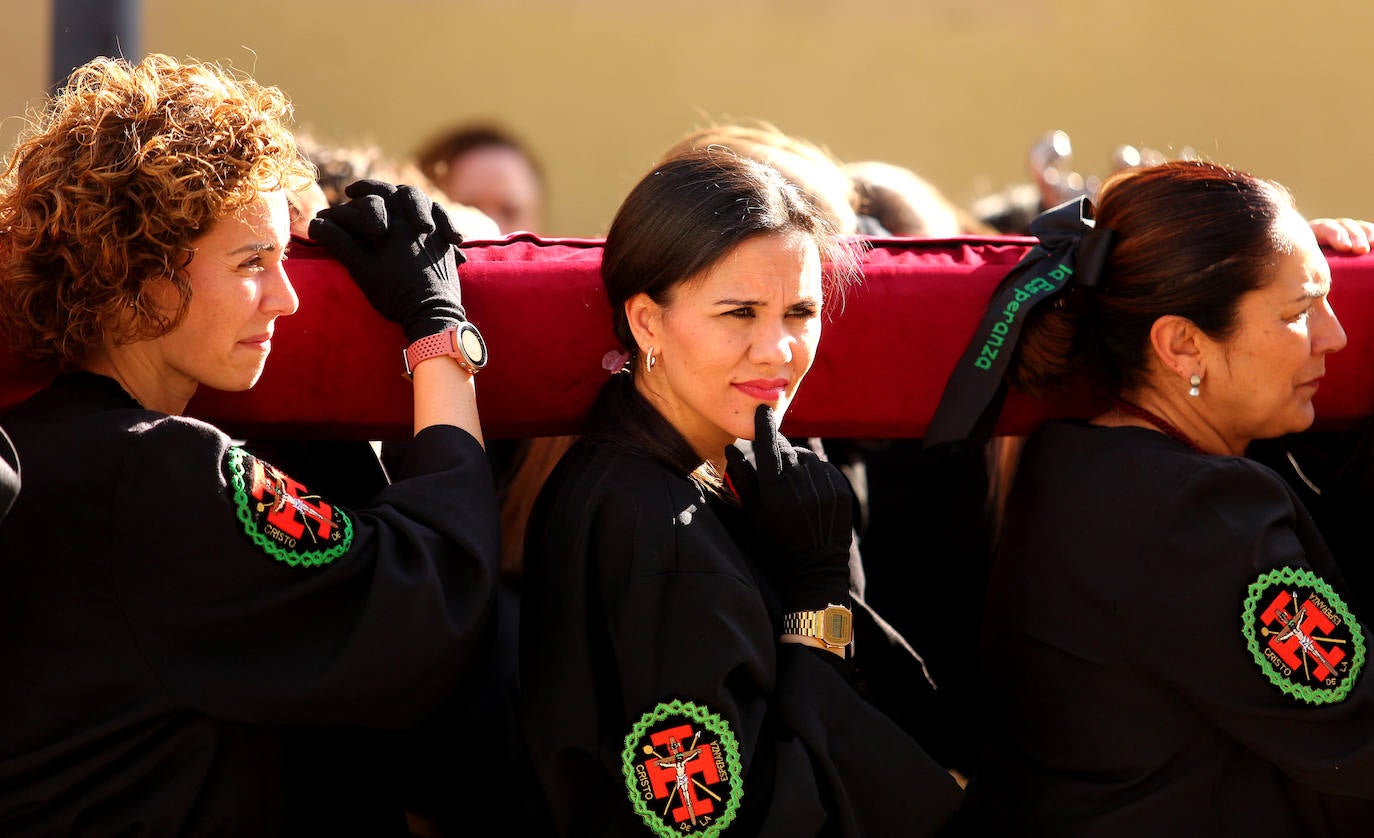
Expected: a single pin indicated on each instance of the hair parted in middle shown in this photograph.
(106, 191)
(1192, 237)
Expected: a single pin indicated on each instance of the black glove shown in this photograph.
(399, 247)
(802, 511)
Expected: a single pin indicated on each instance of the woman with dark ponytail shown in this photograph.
(1169, 646)
(685, 635)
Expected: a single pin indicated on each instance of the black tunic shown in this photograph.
(169, 605)
(1141, 673)
(650, 665)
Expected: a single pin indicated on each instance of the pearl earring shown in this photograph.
(1196, 382)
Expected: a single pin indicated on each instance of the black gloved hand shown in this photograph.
(399, 247)
(801, 509)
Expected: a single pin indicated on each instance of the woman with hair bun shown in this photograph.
(686, 639)
(1168, 645)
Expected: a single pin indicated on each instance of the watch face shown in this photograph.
(837, 626)
(472, 345)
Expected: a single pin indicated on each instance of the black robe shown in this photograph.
(1143, 672)
(171, 607)
(652, 676)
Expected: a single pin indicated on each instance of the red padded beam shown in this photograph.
(335, 369)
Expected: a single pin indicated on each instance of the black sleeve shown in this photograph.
(1241, 610)
(253, 599)
(688, 625)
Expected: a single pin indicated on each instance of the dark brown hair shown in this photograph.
(805, 164)
(436, 156)
(682, 218)
(1192, 238)
(126, 167)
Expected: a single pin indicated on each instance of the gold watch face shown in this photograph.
(471, 345)
(837, 626)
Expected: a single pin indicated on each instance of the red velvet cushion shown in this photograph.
(335, 370)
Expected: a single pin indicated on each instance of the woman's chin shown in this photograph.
(1300, 419)
(235, 382)
(1308, 416)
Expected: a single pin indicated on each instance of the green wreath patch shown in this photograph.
(682, 770)
(1302, 636)
(280, 516)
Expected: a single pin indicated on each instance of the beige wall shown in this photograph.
(956, 89)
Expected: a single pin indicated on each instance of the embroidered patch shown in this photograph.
(682, 770)
(1302, 635)
(280, 517)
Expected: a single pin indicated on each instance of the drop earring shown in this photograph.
(1196, 382)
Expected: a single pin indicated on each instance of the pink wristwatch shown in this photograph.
(462, 343)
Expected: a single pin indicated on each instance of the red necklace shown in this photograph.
(1158, 421)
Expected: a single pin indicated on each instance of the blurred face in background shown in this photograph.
(499, 181)
(303, 205)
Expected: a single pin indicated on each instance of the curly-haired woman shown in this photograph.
(169, 603)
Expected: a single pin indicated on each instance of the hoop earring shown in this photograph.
(649, 361)
(1196, 382)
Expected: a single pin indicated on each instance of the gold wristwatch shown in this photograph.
(833, 625)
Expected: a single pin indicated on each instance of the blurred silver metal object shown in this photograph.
(1050, 159)
(1125, 157)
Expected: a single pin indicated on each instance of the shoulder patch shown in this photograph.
(282, 518)
(682, 770)
(1302, 636)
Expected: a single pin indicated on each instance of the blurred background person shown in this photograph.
(487, 167)
(902, 203)
(340, 165)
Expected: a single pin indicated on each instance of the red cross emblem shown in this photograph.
(1302, 636)
(674, 774)
(682, 770)
(287, 505)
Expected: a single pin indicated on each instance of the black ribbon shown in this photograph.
(1071, 251)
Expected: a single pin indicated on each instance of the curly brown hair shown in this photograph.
(111, 184)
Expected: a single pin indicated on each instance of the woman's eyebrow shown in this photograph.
(254, 247)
